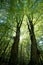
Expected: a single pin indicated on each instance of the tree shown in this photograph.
(19, 18)
(14, 51)
(31, 10)
(34, 51)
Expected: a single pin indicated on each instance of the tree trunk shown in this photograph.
(14, 51)
(34, 53)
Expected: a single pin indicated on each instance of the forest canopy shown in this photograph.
(21, 32)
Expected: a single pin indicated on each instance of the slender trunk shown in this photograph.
(14, 51)
(34, 53)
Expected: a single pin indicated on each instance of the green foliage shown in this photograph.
(12, 11)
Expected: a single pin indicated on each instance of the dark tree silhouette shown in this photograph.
(34, 51)
(14, 51)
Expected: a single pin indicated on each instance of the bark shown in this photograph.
(14, 51)
(34, 53)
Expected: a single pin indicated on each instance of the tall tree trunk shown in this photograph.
(14, 51)
(34, 51)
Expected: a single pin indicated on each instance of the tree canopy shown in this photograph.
(15, 16)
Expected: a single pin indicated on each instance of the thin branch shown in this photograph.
(37, 19)
(28, 27)
(21, 20)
